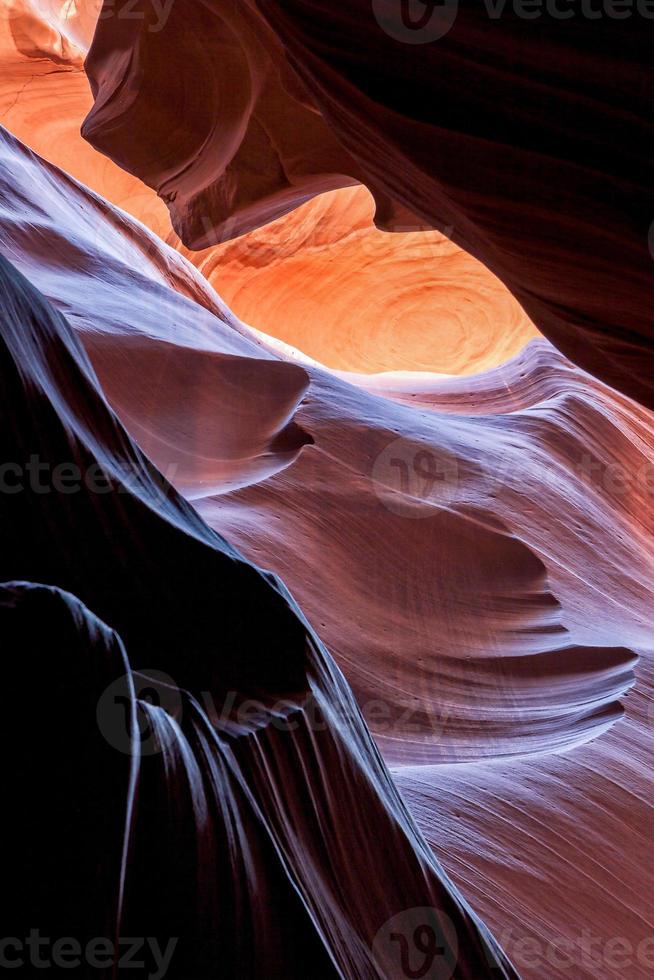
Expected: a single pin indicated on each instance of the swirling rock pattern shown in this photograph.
(495, 644)
(239, 424)
(226, 851)
(474, 551)
(527, 138)
(347, 294)
(357, 299)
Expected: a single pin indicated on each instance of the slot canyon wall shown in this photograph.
(327, 487)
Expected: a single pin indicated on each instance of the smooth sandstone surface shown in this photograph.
(474, 551)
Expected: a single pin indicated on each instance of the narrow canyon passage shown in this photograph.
(327, 479)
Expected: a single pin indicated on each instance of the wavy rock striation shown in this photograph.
(357, 299)
(426, 485)
(226, 849)
(418, 537)
(526, 138)
(331, 278)
(475, 552)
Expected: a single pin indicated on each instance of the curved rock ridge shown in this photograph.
(566, 466)
(43, 44)
(420, 301)
(576, 909)
(226, 850)
(48, 29)
(537, 480)
(474, 692)
(270, 151)
(476, 552)
(533, 375)
(238, 424)
(526, 138)
(357, 299)
(456, 510)
(73, 796)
